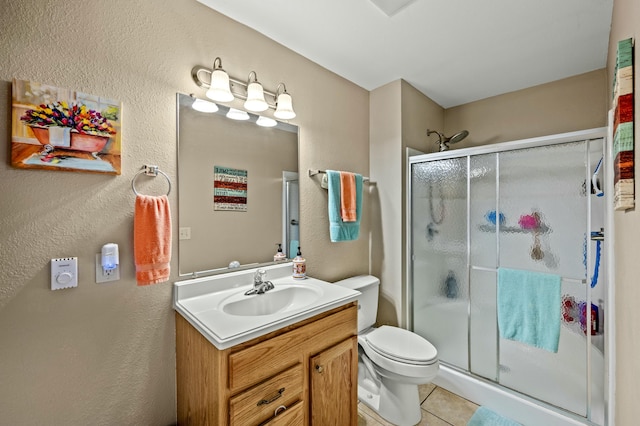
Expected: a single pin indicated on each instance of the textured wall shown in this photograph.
(625, 24)
(567, 105)
(104, 354)
(400, 116)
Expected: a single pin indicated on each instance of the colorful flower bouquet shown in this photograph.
(75, 116)
(77, 127)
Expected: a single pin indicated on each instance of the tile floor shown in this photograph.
(439, 408)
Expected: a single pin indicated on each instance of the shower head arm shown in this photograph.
(440, 135)
(442, 140)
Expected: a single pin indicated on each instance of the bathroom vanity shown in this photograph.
(276, 364)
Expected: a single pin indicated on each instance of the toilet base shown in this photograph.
(398, 403)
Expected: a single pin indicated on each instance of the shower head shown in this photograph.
(444, 141)
(458, 136)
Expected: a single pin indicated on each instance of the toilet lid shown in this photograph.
(401, 345)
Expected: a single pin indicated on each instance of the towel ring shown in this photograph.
(150, 170)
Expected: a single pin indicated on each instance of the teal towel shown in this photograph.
(339, 230)
(485, 417)
(529, 307)
(293, 249)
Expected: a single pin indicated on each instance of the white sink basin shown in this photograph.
(280, 299)
(218, 308)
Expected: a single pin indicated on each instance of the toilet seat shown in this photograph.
(401, 345)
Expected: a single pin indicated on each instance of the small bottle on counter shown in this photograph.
(279, 256)
(299, 266)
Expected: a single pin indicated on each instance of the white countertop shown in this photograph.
(201, 301)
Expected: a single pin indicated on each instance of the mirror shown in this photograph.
(237, 190)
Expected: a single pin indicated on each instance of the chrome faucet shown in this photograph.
(260, 286)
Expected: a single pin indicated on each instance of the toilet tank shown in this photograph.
(368, 301)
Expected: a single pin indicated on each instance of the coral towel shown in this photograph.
(348, 197)
(152, 239)
(339, 230)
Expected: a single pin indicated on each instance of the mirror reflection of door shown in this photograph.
(291, 216)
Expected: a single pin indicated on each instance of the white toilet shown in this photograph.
(392, 362)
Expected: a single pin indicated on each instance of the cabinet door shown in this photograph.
(334, 385)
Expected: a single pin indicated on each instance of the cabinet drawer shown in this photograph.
(259, 403)
(293, 416)
(263, 360)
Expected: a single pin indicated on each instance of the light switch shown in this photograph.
(185, 233)
(64, 273)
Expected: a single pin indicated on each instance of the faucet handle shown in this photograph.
(259, 276)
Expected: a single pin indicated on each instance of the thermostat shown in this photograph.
(64, 273)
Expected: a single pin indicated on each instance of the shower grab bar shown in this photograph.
(575, 280)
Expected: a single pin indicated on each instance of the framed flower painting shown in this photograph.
(60, 129)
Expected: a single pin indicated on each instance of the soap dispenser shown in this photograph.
(279, 256)
(299, 266)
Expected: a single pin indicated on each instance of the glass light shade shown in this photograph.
(236, 114)
(266, 122)
(204, 106)
(284, 110)
(255, 98)
(220, 89)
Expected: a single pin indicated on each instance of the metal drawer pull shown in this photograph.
(280, 408)
(273, 398)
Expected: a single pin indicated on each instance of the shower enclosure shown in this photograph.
(533, 206)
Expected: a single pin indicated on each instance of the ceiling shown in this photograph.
(453, 51)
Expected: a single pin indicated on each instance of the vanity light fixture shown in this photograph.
(266, 122)
(255, 95)
(203, 106)
(284, 104)
(236, 114)
(219, 85)
(223, 88)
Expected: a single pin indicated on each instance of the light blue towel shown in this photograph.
(339, 230)
(529, 307)
(293, 249)
(485, 417)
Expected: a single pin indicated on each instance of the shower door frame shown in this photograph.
(603, 133)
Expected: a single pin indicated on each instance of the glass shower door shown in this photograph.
(483, 224)
(528, 208)
(439, 267)
(546, 193)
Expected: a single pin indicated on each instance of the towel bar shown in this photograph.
(315, 172)
(568, 279)
(150, 170)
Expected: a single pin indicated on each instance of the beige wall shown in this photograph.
(386, 207)
(567, 105)
(625, 24)
(400, 116)
(104, 354)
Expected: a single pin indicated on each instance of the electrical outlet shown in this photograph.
(103, 276)
(185, 233)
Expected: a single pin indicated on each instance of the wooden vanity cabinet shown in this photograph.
(303, 374)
